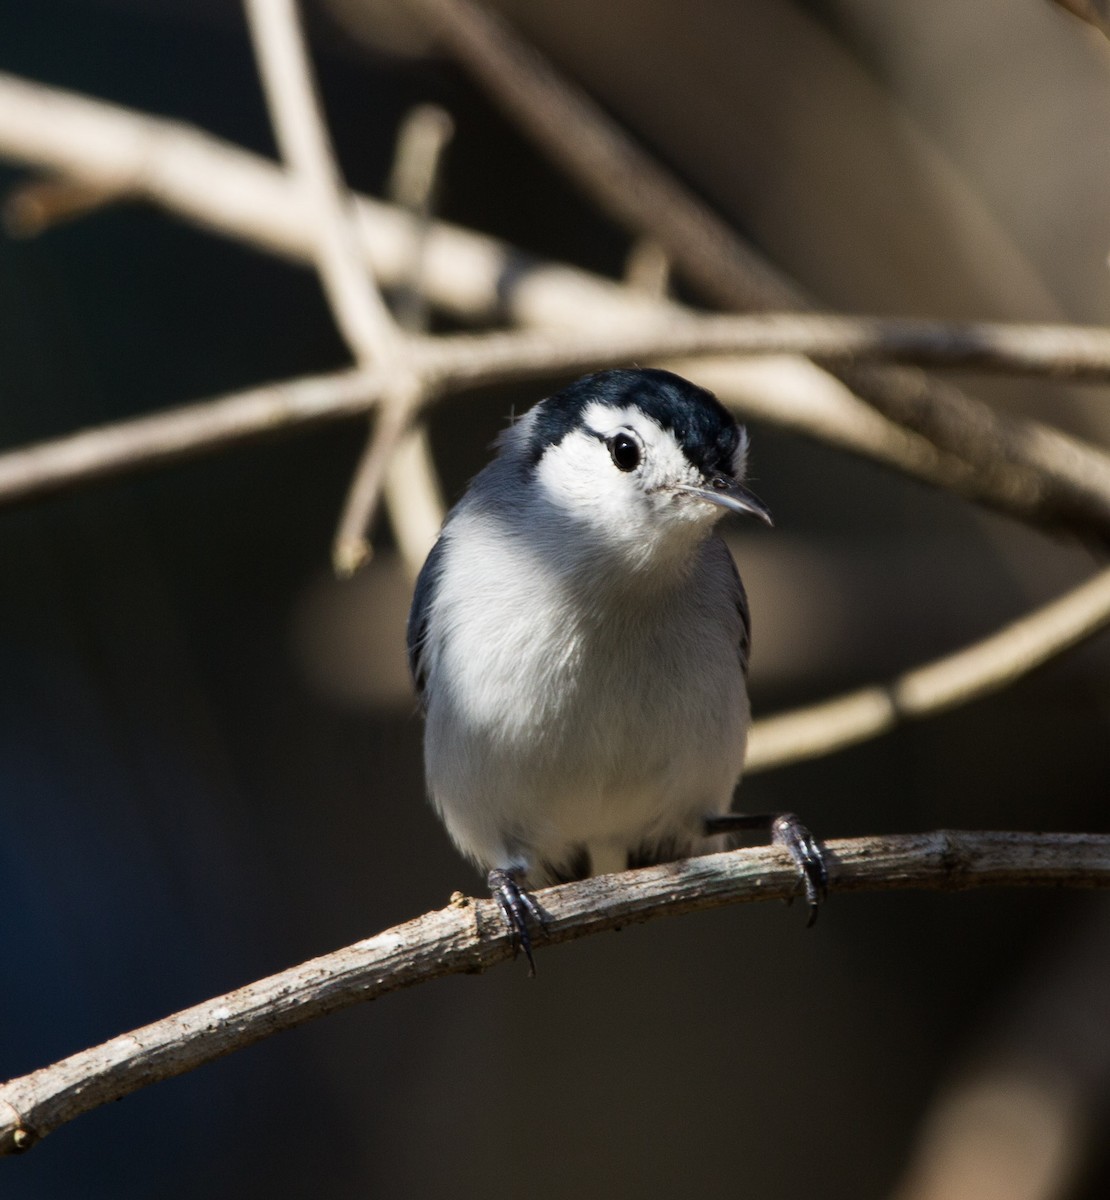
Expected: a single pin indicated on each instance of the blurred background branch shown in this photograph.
(931, 689)
(1006, 464)
(455, 362)
(1094, 12)
(1021, 467)
(398, 371)
(750, 155)
(374, 338)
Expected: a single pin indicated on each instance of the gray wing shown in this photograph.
(416, 635)
(740, 599)
(745, 647)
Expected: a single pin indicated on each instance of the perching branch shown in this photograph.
(468, 936)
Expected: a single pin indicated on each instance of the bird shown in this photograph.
(579, 641)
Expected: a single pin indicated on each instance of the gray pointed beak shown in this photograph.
(727, 493)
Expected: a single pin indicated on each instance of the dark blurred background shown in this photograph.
(209, 759)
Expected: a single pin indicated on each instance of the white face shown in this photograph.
(622, 476)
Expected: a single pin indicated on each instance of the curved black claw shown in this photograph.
(787, 831)
(517, 907)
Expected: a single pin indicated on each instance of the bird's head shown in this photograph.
(642, 459)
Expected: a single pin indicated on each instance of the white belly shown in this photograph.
(595, 735)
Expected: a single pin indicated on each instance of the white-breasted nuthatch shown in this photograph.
(579, 638)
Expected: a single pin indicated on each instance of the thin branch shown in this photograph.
(969, 674)
(302, 136)
(475, 277)
(394, 427)
(1095, 12)
(468, 936)
(142, 443)
(826, 412)
(977, 670)
(647, 269)
(1076, 353)
(41, 204)
(623, 180)
(374, 338)
(411, 485)
(1012, 465)
(413, 184)
(227, 190)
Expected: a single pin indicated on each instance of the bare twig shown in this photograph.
(299, 127)
(959, 678)
(393, 429)
(185, 432)
(1094, 12)
(647, 269)
(374, 337)
(1076, 353)
(412, 490)
(593, 149)
(1011, 465)
(40, 204)
(822, 410)
(469, 936)
(413, 181)
(242, 196)
(411, 486)
(229, 191)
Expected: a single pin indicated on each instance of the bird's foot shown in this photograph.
(789, 833)
(517, 908)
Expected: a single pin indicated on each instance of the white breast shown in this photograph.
(567, 711)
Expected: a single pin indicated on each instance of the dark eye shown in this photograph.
(624, 452)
